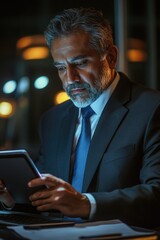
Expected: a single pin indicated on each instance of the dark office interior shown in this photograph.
(136, 27)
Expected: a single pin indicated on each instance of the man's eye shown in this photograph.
(82, 63)
(61, 68)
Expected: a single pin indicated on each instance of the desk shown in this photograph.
(83, 231)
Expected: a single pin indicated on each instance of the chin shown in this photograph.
(82, 103)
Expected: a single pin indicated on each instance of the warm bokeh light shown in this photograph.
(33, 47)
(61, 97)
(30, 41)
(136, 55)
(136, 50)
(6, 109)
(34, 53)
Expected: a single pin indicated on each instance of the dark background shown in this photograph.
(27, 18)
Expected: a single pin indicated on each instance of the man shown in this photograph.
(122, 170)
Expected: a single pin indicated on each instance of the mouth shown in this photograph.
(77, 91)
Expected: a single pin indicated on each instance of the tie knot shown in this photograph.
(87, 112)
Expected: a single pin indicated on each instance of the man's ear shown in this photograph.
(112, 56)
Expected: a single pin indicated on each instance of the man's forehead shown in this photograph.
(70, 60)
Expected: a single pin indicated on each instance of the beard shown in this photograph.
(89, 93)
(84, 98)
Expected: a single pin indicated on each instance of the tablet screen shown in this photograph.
(16, 170)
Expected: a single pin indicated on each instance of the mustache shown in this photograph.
(72, 86)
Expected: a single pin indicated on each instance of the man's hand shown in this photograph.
(59, 195)
(5, 197)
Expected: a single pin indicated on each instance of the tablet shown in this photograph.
(16, 170)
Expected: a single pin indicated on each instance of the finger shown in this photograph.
(49, 201)
(3, 189)
(47, 180)
(2, 185)
(46, 207)
(40, 195)
(47, 204)
(51, 180)
(6, 198)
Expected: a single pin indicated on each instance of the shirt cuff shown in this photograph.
(93, 204)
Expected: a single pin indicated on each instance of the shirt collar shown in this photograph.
(102, 100)
(99, 104)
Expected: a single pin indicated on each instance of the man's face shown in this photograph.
(83, 72)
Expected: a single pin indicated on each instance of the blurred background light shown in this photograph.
(23, 85)
(6, 109)
(136, 55)
(9, 86)
(61, 97)
(30, 40)
(34, 53)
(33, 47)
(41, 82)
(136, 50)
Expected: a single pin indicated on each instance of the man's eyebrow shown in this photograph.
(56, 63)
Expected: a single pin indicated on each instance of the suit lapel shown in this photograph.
(112, 116)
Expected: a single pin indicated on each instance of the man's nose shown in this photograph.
(72, 75)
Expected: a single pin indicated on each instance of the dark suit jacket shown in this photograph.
(123, 165)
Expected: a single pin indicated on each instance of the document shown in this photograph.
(85, 231)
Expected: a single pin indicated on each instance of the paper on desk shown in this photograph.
(82, 230)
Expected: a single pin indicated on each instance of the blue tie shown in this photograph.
(82, 149)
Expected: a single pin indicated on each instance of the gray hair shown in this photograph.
(87, 20)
